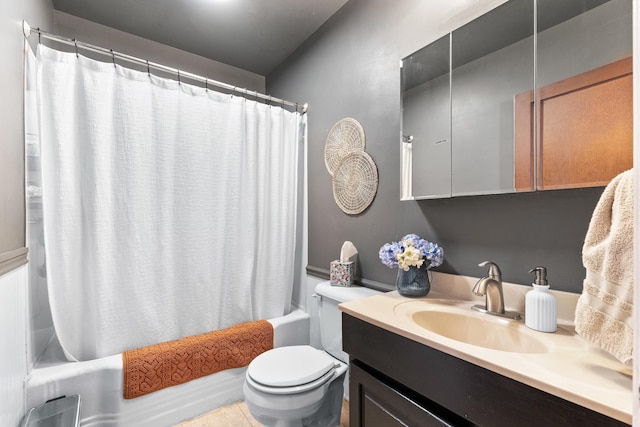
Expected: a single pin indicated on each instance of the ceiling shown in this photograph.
(255, 35)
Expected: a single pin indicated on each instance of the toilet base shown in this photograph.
(313, 411)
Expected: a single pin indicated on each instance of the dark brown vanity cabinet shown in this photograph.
(380, 402)
(395, 381)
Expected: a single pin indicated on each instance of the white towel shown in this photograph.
(604, 310)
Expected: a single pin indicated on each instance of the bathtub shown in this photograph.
(99, 383)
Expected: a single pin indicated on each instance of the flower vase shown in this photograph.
(415, 282)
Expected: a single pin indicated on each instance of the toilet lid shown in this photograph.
(290, 366)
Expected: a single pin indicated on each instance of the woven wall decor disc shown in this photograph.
(344, 137)
(355, 182)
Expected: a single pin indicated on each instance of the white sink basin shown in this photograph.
(455, 320)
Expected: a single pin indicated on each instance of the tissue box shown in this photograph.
(341, 273)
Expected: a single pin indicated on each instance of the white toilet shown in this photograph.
(301, 385)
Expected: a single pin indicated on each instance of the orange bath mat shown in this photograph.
(155, 367)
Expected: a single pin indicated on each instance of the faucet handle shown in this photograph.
(494, 270)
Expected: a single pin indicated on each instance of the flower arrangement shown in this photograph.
(411, 251)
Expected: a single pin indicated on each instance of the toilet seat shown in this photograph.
(287, 370)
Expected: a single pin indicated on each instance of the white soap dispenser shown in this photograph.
(541, 308)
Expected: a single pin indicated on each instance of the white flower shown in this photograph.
(410, 257)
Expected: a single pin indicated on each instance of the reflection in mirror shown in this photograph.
(492, 61)
(477, 124)
(426, 124)
(584, 92)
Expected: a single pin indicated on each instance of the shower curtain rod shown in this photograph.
(234, 89)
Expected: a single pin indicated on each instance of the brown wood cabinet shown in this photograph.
(584, 130)
(395, 381)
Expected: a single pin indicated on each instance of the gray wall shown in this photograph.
(12, 211)
(350, 68)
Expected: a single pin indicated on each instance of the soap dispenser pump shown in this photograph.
(541, 309)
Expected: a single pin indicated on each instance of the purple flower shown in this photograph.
(388, 254)
(404, 252)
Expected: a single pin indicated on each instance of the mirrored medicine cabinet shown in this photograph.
(533, 95)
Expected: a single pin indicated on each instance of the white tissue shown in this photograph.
(348, 250)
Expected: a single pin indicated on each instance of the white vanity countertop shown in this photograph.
(571, 369)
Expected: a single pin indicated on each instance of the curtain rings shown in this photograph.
(39, 36)
(179, 81)
(113, 58)
(148, 69)
(75, 43)
(206, 84)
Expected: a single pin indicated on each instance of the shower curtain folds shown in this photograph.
(169, 210)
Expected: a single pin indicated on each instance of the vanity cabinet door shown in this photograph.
(377, 404)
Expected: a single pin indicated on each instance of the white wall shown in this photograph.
(13, 333)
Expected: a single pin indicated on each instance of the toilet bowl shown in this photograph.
(295, 386)
(302, 385)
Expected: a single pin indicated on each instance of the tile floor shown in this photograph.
(238, 415)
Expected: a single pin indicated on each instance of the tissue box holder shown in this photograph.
(341, 273)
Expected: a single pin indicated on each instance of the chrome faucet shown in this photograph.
(491, 288)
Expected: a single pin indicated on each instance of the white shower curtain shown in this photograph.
(169, 210)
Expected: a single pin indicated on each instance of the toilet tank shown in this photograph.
(331, 317)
